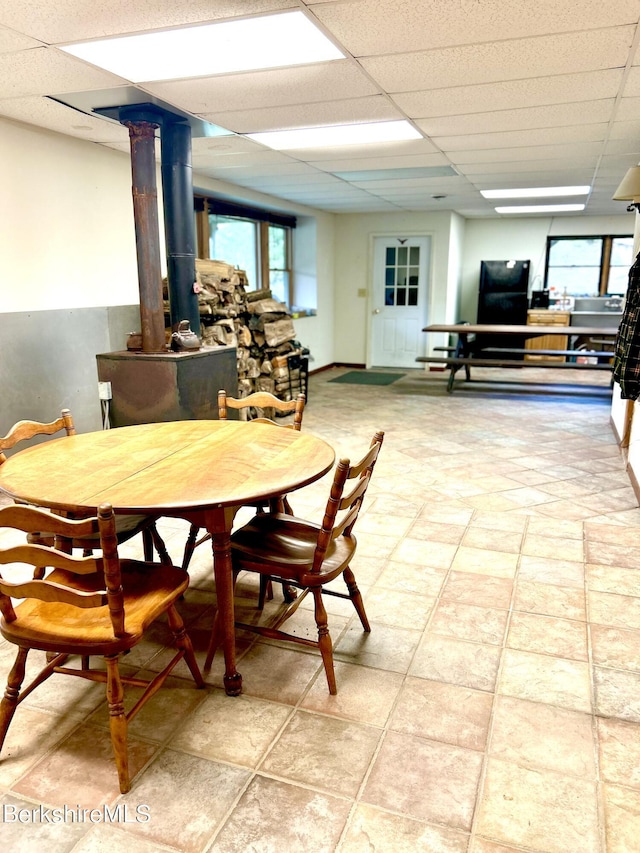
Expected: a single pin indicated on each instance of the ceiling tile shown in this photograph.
(503, 60)
(348, 111)
(511, 94)
(41, 71)
(55, 21)
(515, 138)
(11, 41)
(303, 84)
(396, 27)
(43, 112)
(528, 118)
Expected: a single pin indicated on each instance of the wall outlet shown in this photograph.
(104, 391)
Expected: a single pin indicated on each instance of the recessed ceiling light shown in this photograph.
(541, 208)
(268, 41)
(536, 192)
(340, 134)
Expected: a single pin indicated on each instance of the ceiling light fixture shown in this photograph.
(536, 192)
(268, 41)
(541, 208)
(340, 134)
(629, 189)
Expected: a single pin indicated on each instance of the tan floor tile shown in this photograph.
(443, 712)
(539, 809)
(384, 647)
(402, 609)
(103, 837)
(323, 752)
(437, 532)
(366, 695)
(372, 829)
(563, 528)
(420, 552)
(420, 580)
(384, 524)
(468, 622)
(262, 820)
(613, 579)
(543, 737)
(162, 715)
(552, 547)
(236, 729)
(29, 827)
(454, 513)
(173, 819)
(481, 845)
(622, 818)
(615, 647)
(617, 693)
(483, 590)
(425, 780)
(617, 611)
(484, 562)
(457, 662)
(492, 540)
(548, 635)
(619, 745)
(271, 672)
(550, 600)
(82, 770)
(609, 554)
(31, 735)
(544, 570)
(553, 680)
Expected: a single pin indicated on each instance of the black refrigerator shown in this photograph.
(503, 298)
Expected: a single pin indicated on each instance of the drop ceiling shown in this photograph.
(505, 94)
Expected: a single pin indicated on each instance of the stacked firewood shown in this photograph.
(259, 326)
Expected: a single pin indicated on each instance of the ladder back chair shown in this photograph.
(308, 556)
(263, 402)
(87, 605)
(127, 526)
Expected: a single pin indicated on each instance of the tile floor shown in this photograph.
(494, 708)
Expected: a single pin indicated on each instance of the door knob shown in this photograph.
(376, 310)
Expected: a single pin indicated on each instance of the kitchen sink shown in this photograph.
(599, 319)
(600, 311)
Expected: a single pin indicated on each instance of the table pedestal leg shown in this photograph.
(220, 539)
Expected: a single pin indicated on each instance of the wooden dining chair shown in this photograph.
(86, 606)
(127, 526)
(260, 401)
(309, 556)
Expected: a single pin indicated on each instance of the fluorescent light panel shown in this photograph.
(335, 135)
(541, 208)
(269, 41)
(536, 192)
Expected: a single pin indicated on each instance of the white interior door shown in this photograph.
(399, 291)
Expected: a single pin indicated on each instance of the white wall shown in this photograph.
(524, 239)
(354, 269)
(67, 238)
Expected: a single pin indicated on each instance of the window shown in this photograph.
(255, 240)
(588, 266)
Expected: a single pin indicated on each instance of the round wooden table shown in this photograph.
(202, 471)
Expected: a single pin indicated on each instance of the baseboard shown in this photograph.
(337, 364)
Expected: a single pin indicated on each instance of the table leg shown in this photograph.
(219, 525)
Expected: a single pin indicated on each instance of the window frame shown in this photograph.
(605, 255)
(262, 219)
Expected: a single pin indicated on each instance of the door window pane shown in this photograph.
(401, 280)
